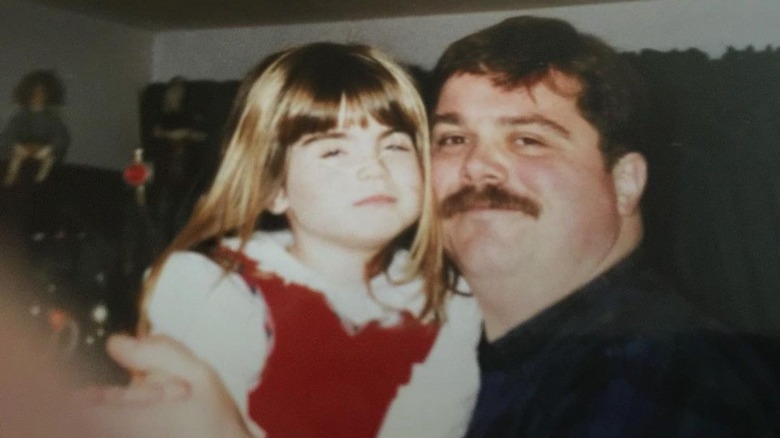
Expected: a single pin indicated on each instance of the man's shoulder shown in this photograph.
(637, 299)
(700, 381)
(633, 374)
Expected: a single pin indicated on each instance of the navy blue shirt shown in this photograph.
(623, 357)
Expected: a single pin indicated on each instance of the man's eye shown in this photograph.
(527, 141)
(450, 140)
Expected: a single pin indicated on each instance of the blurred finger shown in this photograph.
(155, 355)
(171, 390)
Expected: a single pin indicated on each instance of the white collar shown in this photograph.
(352, 306)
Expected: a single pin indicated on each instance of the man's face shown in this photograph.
(519, 178)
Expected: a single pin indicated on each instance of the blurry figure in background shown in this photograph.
(36, 131)
(177, 156)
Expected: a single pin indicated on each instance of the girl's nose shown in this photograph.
(372, 167)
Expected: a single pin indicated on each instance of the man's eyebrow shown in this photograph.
(447, 118)
(543, 122)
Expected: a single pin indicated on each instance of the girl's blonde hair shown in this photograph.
(297, 92)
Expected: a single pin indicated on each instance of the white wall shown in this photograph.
(710, 25)
(105, 65)
(102, 65)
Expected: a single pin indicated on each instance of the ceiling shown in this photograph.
(195, 14)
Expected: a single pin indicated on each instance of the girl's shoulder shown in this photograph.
(461, 308)
(190, 263)
(216, 315)
(196, 282)
(191, 270)
(461, 328)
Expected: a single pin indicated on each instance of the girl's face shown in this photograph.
(357, 187)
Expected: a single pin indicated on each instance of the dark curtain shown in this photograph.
(713, 202)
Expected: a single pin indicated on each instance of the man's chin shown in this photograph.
(486, 227)
(483, 256)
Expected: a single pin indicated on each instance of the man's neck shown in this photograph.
(509, 299)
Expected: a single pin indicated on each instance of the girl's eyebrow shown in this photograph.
(316, 136)
(339, 134)
(390, 132)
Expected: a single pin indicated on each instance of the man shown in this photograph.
(536, 169)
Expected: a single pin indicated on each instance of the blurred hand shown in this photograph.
(174, 394)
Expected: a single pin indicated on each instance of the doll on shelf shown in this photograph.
(178, 132)
(176, 153)
(36, 131)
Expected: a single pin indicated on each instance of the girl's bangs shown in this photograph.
(347, 99)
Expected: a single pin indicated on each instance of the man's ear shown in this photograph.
(280, 203)
(629, 174)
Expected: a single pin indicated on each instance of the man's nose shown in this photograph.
(484, 164)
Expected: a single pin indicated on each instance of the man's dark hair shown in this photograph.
(53, 88)
(521, 51)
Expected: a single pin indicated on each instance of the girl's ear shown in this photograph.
(280, 203)
(629, 175)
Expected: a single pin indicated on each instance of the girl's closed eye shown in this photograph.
(332, 152)
(401, 147)
(329, 148)
(400, 143)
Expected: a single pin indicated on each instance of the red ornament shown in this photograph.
(136, 174)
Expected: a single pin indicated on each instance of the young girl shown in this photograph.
(328, 328)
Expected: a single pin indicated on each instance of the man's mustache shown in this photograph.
(489, 197)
